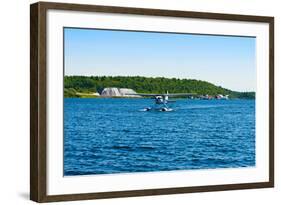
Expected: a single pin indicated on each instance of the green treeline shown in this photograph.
(85, 84)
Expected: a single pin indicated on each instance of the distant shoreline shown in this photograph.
(142, 98)
(95, 86)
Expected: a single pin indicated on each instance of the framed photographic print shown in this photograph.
(133, 102)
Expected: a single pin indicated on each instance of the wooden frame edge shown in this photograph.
(155, 192)
(271, 101)
(34, 102)
(37, 102)
(153, 12)
(38, 175)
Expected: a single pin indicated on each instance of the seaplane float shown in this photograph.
(161, 101)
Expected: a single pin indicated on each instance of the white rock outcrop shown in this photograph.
(118, 92)
(95, 94)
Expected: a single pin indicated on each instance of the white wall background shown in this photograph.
(14, 101)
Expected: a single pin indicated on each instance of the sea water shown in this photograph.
(113, 135)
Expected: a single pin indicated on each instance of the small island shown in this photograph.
(123, 86)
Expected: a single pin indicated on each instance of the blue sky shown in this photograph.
(226, 61)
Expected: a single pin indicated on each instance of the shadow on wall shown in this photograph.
(24, 195)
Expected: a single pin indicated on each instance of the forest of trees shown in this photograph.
(85, 84)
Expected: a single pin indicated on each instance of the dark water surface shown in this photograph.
(105, 135)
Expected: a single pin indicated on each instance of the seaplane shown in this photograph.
(162, 100)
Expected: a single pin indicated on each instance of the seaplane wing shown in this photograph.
(163, 94)
(161, 99)
(145, 94)
(178, 94)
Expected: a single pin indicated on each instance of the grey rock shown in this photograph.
(118, 92)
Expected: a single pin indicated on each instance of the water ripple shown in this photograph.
(104, 136)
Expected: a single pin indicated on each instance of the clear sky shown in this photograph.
(226, 61)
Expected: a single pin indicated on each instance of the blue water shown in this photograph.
(105, 135)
